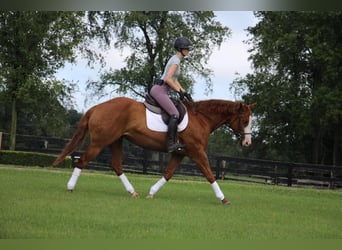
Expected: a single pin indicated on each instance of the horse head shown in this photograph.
(242, 123)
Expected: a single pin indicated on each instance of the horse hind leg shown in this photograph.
(90, 154)
(117, 156)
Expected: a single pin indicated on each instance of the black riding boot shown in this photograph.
(171, 136)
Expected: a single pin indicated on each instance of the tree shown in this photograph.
(33, 45)
(224, 142)
(296, 83)
(46, 107)
(150, 36)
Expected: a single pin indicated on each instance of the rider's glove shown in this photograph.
(186, 95)
(181, 95)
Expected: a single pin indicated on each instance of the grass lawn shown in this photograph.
(35, 204)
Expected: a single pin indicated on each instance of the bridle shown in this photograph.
(239, 135)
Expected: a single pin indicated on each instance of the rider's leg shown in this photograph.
(172, 145)
(160, 94)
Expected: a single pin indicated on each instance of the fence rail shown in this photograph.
(142, 161)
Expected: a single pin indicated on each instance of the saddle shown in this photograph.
(152, 105)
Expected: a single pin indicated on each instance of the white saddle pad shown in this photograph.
(155, 122)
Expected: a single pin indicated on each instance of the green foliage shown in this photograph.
(36, 43)
(33, 45)
(30, 159)
(223, 142)
(150, 36)
(296, 84)
(35, 205)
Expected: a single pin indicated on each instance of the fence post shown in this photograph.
(217, 169)
(289, 175)
(74, 160)
(332, 176)
(275, 174)
(220, 167)
(145, 161)
(223, 169)
(0, 139)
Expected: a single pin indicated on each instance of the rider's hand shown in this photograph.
(183, 94)
(188, 96)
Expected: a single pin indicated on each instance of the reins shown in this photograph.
(238, 135)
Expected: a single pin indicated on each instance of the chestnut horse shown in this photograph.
(109, 122)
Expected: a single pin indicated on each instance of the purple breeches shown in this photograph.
(160, 94)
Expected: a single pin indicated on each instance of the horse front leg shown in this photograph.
(201, 160)
(117, 155)
(169, 171)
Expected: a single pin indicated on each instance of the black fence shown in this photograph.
(142, 161)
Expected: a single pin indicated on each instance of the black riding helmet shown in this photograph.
(182, 43)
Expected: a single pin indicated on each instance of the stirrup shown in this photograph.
(175, 147)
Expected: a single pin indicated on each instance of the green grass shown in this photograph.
(35, 204)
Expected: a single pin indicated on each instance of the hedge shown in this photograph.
(31, 159)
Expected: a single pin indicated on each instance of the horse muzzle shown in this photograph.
(246, 140)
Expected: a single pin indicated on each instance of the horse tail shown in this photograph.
(76, 140)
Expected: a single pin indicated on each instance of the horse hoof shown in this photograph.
(135, 195)
(225, 202)
(70, 190)
(150, 197)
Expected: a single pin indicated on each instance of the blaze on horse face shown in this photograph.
(247, 134)
(242, 125)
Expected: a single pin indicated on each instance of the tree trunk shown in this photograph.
(13, 124)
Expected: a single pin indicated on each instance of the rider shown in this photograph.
(169, 81)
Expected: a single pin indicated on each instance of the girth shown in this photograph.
(152, 105)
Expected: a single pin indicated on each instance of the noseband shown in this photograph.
(239, 135)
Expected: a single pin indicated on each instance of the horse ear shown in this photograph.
(240, 107)
(252, 106)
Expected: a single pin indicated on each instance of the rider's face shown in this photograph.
(185, 52)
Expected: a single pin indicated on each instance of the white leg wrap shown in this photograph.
(217, 191)
(154, 189)
(73, 179)
(128, 186)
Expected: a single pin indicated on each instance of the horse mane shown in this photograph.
(212, 106)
